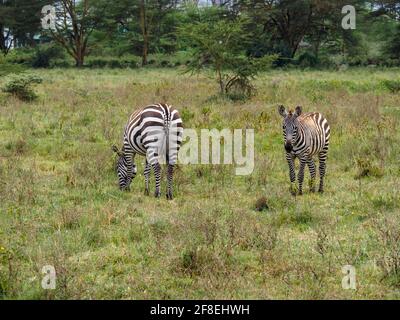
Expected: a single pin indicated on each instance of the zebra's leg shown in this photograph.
(157, 173)
(322, 168)
(147, 171)
(292, 174)
(131, 169)
(311, 167)
(169, 181)
(301, 174)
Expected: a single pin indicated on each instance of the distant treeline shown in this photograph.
(133, 33)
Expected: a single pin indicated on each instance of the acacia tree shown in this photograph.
(391, 10)
(141, 20)
(6, 39)
(218, 41)
(75, 22)
(289, 22)
(6, 23)
(19, 22)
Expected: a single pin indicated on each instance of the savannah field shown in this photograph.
(223, 236)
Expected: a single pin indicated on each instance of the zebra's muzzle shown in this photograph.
(126, 188)
(288, 147)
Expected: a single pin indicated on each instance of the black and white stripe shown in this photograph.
(156, 133)
(306, 135)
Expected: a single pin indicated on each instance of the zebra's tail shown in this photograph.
(166, 127)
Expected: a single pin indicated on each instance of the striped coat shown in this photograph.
(306, 135)
(155, 132)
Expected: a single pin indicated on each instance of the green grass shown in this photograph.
(60, 204)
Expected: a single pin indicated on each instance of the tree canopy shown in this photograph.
(297, 31)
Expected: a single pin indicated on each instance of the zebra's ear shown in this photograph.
(298, 111)
(282, 111)
(115, 149)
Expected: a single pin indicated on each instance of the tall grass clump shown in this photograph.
(386, 229)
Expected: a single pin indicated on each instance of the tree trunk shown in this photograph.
(143, 26)
(2, 40)
(317, 45)
(80, 56)
(145, 49)
(220, 80)
(79, 61)
(5, 44)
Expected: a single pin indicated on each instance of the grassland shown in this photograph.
(60, 204)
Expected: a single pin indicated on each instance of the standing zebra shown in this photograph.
(151, 131)
(305, 135)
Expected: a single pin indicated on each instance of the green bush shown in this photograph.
(160, 60)
(60, 63)
(45, 54)
(358, 61)
(308, 60)
(20, 85)
(41, 56)
(367, 168)
(392, 85)
(21, 56)
(6, 68)
(110, 62)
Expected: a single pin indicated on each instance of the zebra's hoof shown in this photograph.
(321, 191)
(146, 192)
(300, 193)
(169, 196)
(312, 190)
(157, 194)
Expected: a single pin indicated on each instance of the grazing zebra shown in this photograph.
(305, 135)
(151, 131)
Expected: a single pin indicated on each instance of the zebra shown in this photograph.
(305, 135)
(151, 131)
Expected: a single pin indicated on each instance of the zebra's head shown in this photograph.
(289, 126)
(126, 171)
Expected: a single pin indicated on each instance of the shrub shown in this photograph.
(22, 56)
(114, 63)
(39, 57)
(392, 85)
(60, 63)
(308, 60)
(164, 63)
(18, 147)
(366, 168)
(20, 85)
(239, 88)
(261, 204)
(359, 61)
(45, 54)
(7, 68)
(97, 63)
